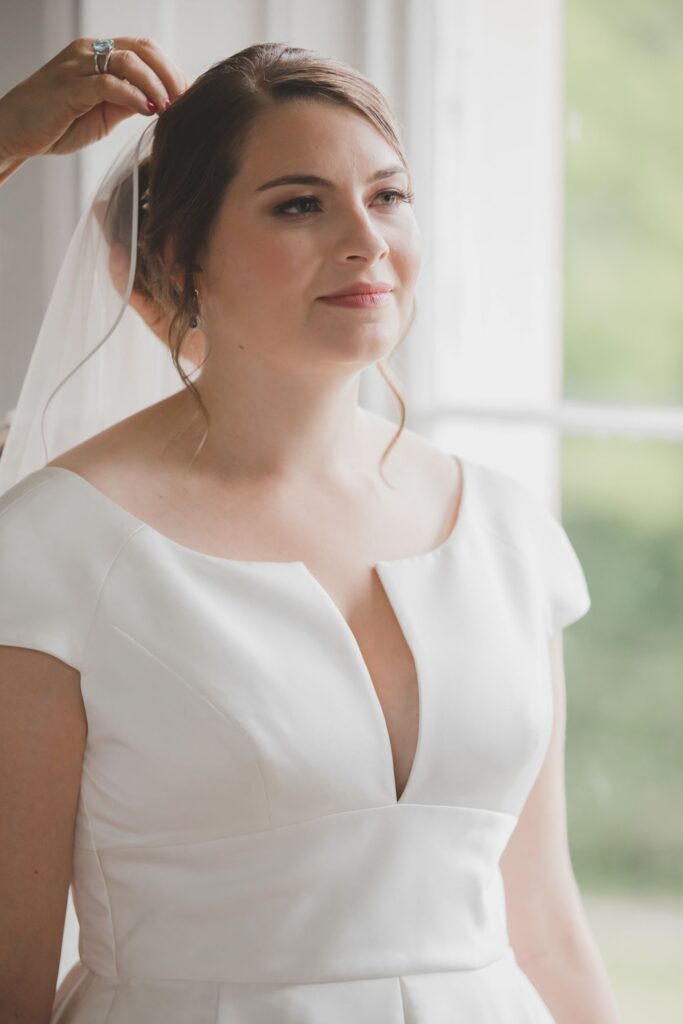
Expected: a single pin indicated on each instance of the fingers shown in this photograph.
(135, 61)
(100, 88)
(143, 63)
(170, 76)
(66, 105)
(125, 64)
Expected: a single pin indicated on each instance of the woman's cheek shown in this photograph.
(413, 249)
(278, 267)
(415, 265)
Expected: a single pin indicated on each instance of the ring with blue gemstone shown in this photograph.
(102, 46)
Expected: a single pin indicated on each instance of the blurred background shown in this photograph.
(546, 145)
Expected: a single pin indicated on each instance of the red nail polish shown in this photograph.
(151, 106)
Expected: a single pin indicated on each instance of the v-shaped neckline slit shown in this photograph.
(379, 567)
(369, 682)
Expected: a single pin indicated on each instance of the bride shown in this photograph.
(282, 670)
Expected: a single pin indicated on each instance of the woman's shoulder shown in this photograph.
(504, 502)
(124, 462)
(49, 517)
(117, 447)
(420, 459)
(55, 513)
(56, 549)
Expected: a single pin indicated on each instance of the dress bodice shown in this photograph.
(240, 853)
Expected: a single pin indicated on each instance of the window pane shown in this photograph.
(624, 215)
(623, 509)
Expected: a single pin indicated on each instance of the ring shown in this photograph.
(102, 46)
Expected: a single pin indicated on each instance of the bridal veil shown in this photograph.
(95, 361)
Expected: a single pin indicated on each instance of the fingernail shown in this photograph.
(151, 106)
(167, 104)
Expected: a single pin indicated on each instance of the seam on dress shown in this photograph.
(302, 821)
(20, 497)
(531, 555)
(219, 711)
(222, 982)
(101, 591)
(105, 887)
(115, 990)
(523, 549)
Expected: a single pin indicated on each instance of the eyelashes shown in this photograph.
(399, 194)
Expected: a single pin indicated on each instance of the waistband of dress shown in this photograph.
(357, 895)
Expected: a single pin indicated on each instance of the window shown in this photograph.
(558, 354)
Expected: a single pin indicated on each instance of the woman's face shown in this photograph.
(273, 253)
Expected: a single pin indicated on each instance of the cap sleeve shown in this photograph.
(567, 597)
(554, 580)
(48, 582)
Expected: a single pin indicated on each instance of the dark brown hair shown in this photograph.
(198, 142)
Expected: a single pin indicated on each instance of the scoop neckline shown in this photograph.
(445, 545)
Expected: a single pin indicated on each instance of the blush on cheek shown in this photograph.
(288, 266)
(269, 271)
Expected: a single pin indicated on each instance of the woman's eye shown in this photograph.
(296, 202)
(398, 194)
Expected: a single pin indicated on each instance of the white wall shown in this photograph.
(38, 203)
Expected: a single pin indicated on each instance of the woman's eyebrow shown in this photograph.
(313, 179)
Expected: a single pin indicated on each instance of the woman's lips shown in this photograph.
(360, 301)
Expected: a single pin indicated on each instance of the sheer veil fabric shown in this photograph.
(95, 361)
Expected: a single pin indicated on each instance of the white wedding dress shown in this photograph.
(240, 854)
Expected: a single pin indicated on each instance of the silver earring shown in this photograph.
(195, 320)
